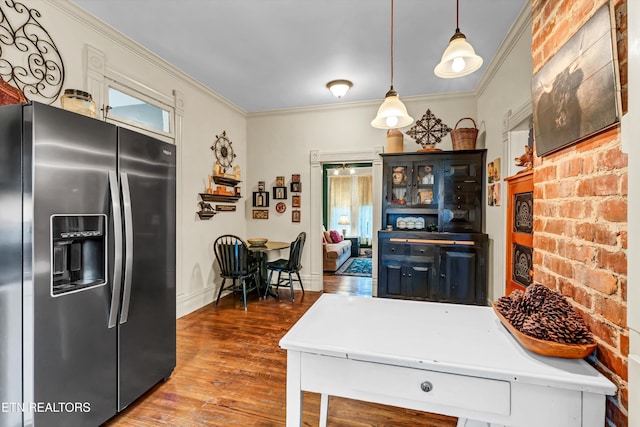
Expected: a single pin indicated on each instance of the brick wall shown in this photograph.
(580, 210)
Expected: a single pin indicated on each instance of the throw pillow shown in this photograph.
(335, 236)
(327, 237)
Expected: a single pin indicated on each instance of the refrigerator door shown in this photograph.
(147, 333)
(74, 349)
(11, 262)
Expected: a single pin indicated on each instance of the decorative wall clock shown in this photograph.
(223, 150)
(428, 131)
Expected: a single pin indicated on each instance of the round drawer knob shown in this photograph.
(426, 386)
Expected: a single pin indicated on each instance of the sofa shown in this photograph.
(335, 254)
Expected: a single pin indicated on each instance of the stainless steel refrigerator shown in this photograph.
(87, 267)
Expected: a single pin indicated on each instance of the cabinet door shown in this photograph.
(398, 184)
(422, 282)
(461, 270)
(462, 195)
(390, 282)
(425, 184)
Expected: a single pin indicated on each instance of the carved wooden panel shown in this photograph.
(523, 213)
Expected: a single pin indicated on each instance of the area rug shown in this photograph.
(356, 267)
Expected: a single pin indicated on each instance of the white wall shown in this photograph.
(506, 90)
(205, 116)
(281, 143)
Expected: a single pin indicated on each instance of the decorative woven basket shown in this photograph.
(464, 138)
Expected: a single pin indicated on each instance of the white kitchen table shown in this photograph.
(451, 359)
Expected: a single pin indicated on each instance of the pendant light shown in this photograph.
(392, 113)
(459, 58)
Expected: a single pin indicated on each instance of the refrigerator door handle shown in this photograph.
(117, 240)
(128, 236)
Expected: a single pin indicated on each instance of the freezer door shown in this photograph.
(10, 263)
(74, 350)
(147, 334)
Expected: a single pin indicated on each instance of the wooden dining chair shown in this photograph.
(290, 266)
(237, 264)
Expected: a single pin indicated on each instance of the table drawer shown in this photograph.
(393, 384)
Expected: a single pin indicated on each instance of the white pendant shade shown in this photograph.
(458, 59)
(392, 113)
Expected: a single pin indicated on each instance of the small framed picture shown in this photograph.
(295, 215)
(279, 181)
(236, 191)
(260, 185)
(260, 199)
(279, 193)
(260, 214)
(296, 187)
(295, 201)
(295, 177)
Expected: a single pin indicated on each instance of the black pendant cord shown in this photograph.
(457, 16)
(392, 58)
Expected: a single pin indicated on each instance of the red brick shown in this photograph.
(547, 173)
(566, 189)
(624, 185)
(612, 159)
(614, 210)
(624, 343)
(545, 243)
(602, 281)
(551, 190)
(597, 233)
(624, 242)
(560, 227)
(615, 416)
(560, 266)
(622, 284)
(603, 185)
(543, 278)
(613, 360)
(577, 209)
(599, 139)
(611, 309)
(614, 261)
(577, 293)
(603, 331)
(577, 251)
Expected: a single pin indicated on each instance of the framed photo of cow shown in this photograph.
(576, 94)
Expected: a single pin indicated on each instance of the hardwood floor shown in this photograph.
(231, 372)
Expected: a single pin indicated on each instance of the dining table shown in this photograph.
(261, 253)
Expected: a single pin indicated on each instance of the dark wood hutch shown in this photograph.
(432, 245)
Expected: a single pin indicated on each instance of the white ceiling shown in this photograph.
(277, 54)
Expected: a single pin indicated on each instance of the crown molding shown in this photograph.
(523, 23)
(363, 104)
(85, 18)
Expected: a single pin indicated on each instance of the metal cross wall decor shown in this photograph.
(22, 36)
(429, 130)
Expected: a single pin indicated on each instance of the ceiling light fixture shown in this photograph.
(459, 58)
(339, 88)
(392, 113)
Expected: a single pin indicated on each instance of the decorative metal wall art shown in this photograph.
(41, 72)
(523, 213)
(223, 150)
(428, 131)
(522, 265)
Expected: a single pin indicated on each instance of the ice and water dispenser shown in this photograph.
(78, 248)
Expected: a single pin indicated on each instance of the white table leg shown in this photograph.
(294, 391)
(324, 409)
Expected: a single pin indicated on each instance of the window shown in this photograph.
(349, 195)
(136, 110)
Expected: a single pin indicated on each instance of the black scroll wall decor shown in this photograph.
(40, 71)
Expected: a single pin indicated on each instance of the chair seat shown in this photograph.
(279, 264)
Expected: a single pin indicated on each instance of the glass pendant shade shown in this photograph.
(392, 113)
(458, 59)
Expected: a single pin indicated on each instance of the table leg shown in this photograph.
(294, 390)
(324, 409)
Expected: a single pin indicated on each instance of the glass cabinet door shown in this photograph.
(400, 189)
(425, 184)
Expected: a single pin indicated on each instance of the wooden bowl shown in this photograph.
(546, 348)
(257, 241)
